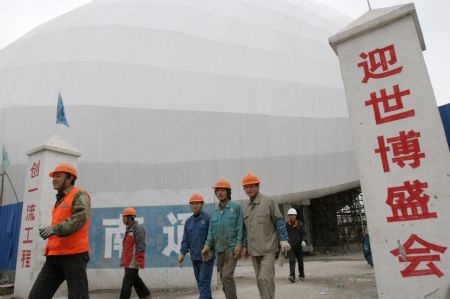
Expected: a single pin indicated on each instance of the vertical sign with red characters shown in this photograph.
(401, 151)
(28, 224)
(38, 202)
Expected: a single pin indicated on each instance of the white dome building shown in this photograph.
(172, 95)
(165, 97)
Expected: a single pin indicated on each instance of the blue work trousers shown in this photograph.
(203, 273)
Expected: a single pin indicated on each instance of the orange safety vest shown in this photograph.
(77, 242)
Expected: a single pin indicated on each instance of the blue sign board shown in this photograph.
(164, 227)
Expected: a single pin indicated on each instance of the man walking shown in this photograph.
(133, 256)
(296, 233)
(264, 225)
(67, 251)
(225, 236)
(194, 237)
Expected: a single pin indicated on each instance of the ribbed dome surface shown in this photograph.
(172, 95)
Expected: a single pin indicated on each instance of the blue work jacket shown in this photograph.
(194, 237)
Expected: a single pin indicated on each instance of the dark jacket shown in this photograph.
(296, 233)
(194, 237)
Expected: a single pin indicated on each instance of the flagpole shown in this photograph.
(3, 184)
(368, 3)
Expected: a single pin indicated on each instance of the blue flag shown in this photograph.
(60, 114)
(5, 160)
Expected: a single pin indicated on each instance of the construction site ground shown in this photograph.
(338, 277)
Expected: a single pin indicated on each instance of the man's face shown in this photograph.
(196, 207)
(221, 194)
(292, 218)
(59, 181)
(125, 220)
(251, 190)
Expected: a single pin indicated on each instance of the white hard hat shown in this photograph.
(292, 211)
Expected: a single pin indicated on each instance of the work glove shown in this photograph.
(237, 251)
(303, 244)
(285, 247)
(180, 260)
(206, 253)
(46, 232)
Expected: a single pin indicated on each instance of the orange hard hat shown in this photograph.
(250, 179)
(222, 184)
(64, 167)
(129, 212)
(196, 197)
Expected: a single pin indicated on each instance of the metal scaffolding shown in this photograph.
(338, 221)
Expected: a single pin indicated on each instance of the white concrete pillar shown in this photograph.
(38, 201)
(401, 151)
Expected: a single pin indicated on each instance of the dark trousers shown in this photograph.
(296, 253)
(131, 279)
(203, 273)
(57, 268)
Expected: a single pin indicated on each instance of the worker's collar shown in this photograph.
(294, 224)
(226, 205)
(256, 201)
(198, 214)
(132, 224)
(62, 194)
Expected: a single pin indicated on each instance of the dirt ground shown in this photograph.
(337, 277)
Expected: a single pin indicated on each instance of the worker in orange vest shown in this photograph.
(67, 251)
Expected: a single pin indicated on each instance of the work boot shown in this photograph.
(301, 277)
(291, 278)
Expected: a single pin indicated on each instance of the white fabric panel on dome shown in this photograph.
(160, 88)
(162, 49)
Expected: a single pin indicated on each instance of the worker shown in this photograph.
(67, 250)
(264, 226)
(225, 235)
(133, 256)
(296, 234)
(194, 237)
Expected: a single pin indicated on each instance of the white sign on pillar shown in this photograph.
(38, 201)
(402, 154)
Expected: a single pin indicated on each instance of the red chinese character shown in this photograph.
(35, 169)
(30, 212)
(408, 202)
(378, 59)
(387, 107)
(26, 258)
(405, 147)
(407, 254)
(28, 240)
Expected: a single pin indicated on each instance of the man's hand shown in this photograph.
(285, 247)
(206, 253)
(303, 244)
(237, 251)
(244, 253)
(46, 232)
(180, 260)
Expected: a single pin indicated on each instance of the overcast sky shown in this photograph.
(20, 16)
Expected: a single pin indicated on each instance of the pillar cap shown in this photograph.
(56, 144)
(376, 18)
